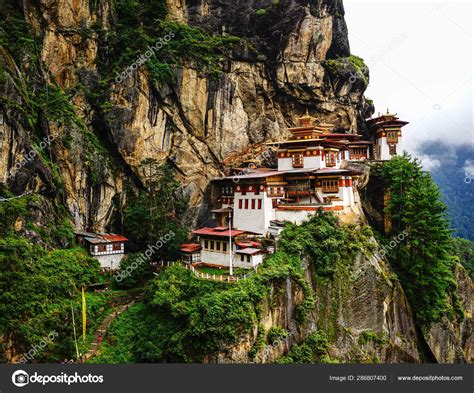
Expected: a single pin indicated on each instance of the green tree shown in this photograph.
(422, 259)
(136, 275)
(156, 213)
(464, 250)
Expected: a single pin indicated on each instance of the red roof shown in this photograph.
(248, 244)
(249, 251)
(190, 247)
(114, 238)
(217, 232)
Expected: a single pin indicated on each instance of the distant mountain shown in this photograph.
(447, 165)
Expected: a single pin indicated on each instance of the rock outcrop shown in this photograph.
(276, 73)
(363, 310)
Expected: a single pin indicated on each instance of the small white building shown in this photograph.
(213, 248)
(386, 133)
(108, 249)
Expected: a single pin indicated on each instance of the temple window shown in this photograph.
(377, 152)
(392, 150)
(357, 153)
(392, 136)
(298, 160)
(330, 159)
(330, 186)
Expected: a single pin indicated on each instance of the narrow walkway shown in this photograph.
(94, 348)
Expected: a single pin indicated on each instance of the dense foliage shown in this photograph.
(38, 286)
(140, 24)
(463, 249)
(313, 349)
(193, 318)
(422, 259)
(134, 272)
(322, 241)
(155, 215)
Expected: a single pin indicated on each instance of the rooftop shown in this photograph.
(97, 238)
(249, 251)
(275, 172)
(218, 232)
(190, 247)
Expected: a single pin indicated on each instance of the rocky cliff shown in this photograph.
(279, 69)
(363, 311)
(76, 137)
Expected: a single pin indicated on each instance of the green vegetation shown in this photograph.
(153, 218)
(276, 334)
(463, 249)
(141, 24)
(38, 286)
(344, 65)
(37, 289)
(370, 336)
(258, 344)
(137, 336)
(422, 259)
(313, 349)
(137, 276)
(260, 12)
(15, 32)
(193, 318)
(324, 242)
(197, 317)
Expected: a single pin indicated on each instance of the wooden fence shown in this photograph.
(207, 276)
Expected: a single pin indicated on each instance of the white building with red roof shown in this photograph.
(219, 246)
(108, 249)
(309, 177)
(386, 133)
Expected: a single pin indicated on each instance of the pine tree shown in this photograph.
(423, 258)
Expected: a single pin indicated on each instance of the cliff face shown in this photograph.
(275, 73)
(363, 311)
(280, 68)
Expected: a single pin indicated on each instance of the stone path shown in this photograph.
(94, 348)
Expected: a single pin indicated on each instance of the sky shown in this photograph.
(420, 57)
